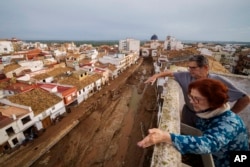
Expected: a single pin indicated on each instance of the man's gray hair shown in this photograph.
(200, 60)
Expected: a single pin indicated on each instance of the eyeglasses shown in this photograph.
(195, 99)
(192, 68)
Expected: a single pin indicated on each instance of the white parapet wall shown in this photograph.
(166, 155)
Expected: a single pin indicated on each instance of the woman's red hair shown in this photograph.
(214, 90)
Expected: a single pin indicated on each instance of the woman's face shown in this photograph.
(198, 101)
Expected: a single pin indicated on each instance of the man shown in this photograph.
(198, 67)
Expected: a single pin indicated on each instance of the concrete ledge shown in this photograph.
(166, 155)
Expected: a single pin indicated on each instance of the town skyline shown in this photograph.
(111, 20)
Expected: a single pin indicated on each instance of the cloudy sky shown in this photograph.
(209, 20)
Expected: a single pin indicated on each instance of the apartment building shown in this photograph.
(129, 45)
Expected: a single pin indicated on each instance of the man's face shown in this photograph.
(196, 71)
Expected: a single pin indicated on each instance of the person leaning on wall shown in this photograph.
(222, 130)
(198, 67)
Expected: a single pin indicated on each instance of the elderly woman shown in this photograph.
(223, 131)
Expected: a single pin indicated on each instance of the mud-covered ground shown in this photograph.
(107, 136)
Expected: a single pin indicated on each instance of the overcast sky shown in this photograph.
(209, 20)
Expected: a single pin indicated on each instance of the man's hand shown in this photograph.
(151, 79)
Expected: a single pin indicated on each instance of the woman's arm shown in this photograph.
(155, 136)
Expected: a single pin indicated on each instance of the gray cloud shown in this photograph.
(112, 19)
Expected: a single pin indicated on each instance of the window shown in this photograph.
(69, 98)
(14, 141)
(25, 120)
(10, 131)
(6, 146)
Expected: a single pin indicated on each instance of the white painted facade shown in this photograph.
(40, 45)
(129, 45)
(229, 48)
(13, 131)
(205, 51)
(173, 43)
(98, 84)
(6, 47)
(58, 53)
(52, 112)
(105, 74)
(145, 52)
(7, 59)
(92, 54)
(82, 95)
(32, 65)
(89, 89)
(118, 60)
(154, 53)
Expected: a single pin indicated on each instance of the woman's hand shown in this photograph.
(155, 136)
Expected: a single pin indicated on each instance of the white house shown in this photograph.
(92, 54)
(15, 123)
(118, 60)
(6, 47)
(205, 51)
(32, 65)
(58, 53)
(229, 48)
(7, 59)
(40, 117)
(97, 79)
(105, 74)
(25, 65)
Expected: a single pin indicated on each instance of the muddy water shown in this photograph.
(125, 132)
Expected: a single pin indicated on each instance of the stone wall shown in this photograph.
(166, 155)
